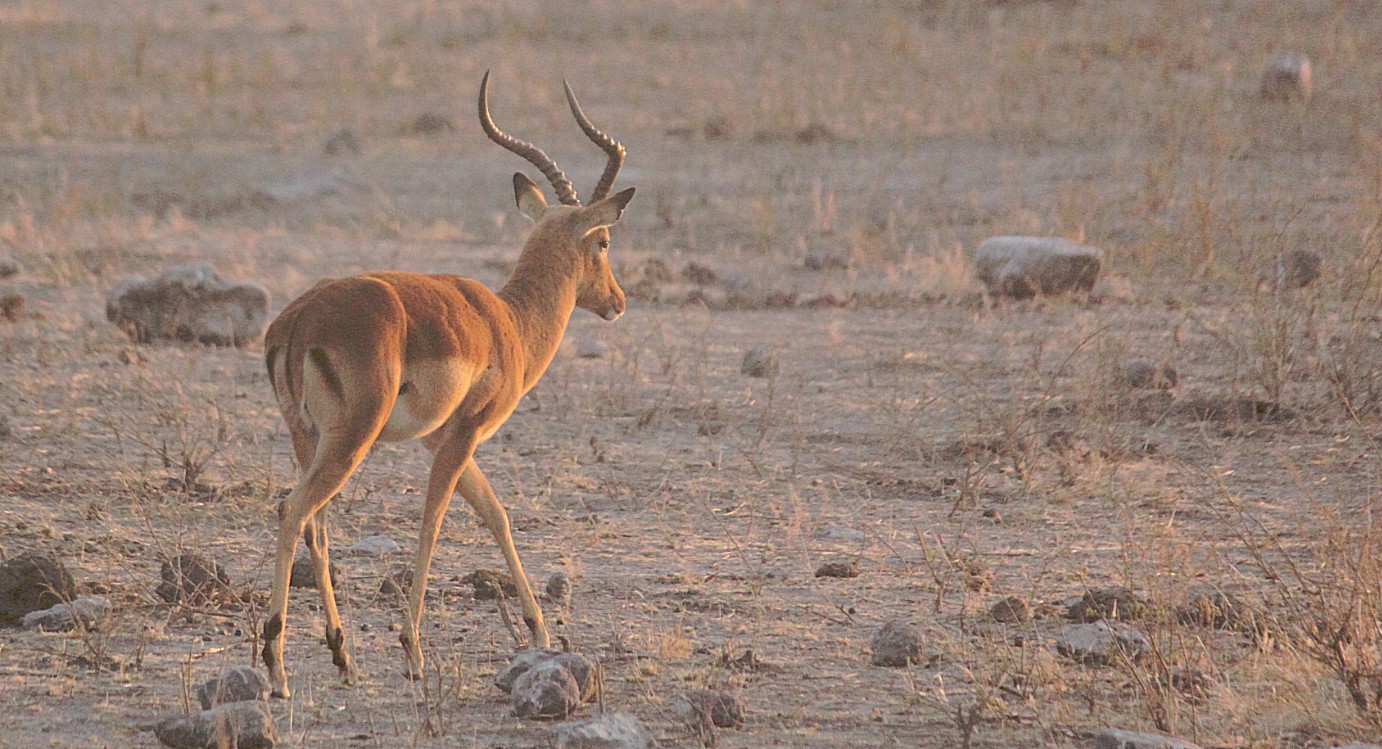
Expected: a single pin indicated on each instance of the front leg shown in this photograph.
(477, 491)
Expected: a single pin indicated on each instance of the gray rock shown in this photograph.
(896, 645)
(192, 580)
(1023, 267)
(609, 731)
(1011, 610)
(33, 582)
(547, 690)
(1292, 270)
(235, 684)
(1102, 643)
(303, 576)
(342, 142)
(706, 707)
(88, 610)
(840, 533)
(1144, 375)
(303, 188)
(583, 671)
(521, 664)
(759, 362)
(375, 546)
(234, 725)
(30, 582)
(1118, 604)
(1113, 738)
(1287, 76)
(558, 589)
(190, 303)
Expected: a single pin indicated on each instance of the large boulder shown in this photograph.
(233, 725)
(1023, 267)
(33, 582)
(190, 303)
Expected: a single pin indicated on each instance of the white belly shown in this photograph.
(430, 394)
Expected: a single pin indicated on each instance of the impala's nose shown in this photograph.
(615, 308)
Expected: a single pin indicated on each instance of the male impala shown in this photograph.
(397, 356)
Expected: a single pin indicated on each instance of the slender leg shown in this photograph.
(448, 457)
(476, 489)
(325, 476)
(318, 545)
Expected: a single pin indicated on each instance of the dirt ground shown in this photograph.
(812, 178)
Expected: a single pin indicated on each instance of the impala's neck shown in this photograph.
(541, 294)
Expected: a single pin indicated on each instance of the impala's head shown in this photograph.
(570, 235)
(576, 236)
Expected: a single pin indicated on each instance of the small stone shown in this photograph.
(304, 577)
(8, 266)
(33, 582)
(431, 123)
(374, 546)
(609, 731)
(896, 645)
(1144, 375)
(396, 585)
(235, 684)
(342, 142)
(590, 348)
(1287, 76)
(1117, 604)
(1113, 738)
(11, 307)
(838, 569)
(1011, 610)
(190, 303)
(1023, 267)
(759, 362)
(1293, 270)
(64, 617)
(825, 261)
(234, 725)
(490, 585)
(191, 579)
(720, 709)
(558, 589)
(522, 662)
(974, 573)
(699, 274)
(547, 690)
(1102, 642)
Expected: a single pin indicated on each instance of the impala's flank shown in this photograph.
(398, 356)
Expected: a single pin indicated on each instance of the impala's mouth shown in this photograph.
(612, 314)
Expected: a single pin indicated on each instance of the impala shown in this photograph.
(391, 356)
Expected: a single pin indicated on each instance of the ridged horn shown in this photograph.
(531, 153)
(607, 144)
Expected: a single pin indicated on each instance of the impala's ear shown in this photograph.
(528, 197)
(606, 212)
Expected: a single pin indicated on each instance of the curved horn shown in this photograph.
(534, 155)
(606, 144)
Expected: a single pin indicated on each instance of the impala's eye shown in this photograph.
(604, 245)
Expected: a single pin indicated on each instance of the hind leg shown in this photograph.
(332, 462)
(315, 537)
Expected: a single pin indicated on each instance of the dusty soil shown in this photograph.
(811, 178)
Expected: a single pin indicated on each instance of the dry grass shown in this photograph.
(831, 163)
